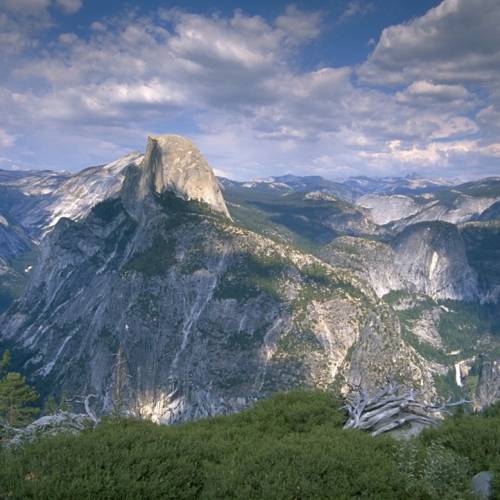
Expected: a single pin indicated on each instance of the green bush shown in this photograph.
(291, 446)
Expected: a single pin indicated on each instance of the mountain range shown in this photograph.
(172, 295)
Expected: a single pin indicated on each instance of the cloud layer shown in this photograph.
(427, 99)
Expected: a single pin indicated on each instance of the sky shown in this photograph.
(334, 88)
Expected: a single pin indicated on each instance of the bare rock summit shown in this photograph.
(173, 163)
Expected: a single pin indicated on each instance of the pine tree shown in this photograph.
(64, 404)
(16, 400)
(4, 362)
(51, 407)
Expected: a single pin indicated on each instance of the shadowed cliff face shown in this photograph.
(13, 240)
(164, 308)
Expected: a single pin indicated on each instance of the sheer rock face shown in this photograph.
(173, 163)
(431, 257)
(427, 258)
(488, 389)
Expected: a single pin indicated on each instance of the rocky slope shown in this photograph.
(427, 258)
(442, 284)
(167, 309)
(37, 200)
(456, 205)
(31, 203)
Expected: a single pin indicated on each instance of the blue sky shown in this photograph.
(335, 88)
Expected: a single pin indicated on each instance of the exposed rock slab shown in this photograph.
(173, 163)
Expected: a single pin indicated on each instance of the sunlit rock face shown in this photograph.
(430, 256)
(453, 206)
(427, 258)
(384, 209)
(37, 200)
(174, 164)
(78, 194)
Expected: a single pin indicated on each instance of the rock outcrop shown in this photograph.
(384, 209)
(455, 206)
(173, 164)
(488, 387)
(49, 425)
(430, 256)
(427, 258)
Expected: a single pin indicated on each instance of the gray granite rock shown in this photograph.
(481, 485)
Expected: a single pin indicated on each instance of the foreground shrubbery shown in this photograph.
(291, 446)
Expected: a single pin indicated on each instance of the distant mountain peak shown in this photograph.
(173, 163)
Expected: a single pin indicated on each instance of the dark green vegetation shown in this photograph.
(290, 217)
(160, 256)
(291, 446)
(250, 275)
(108, 209)
(17, 398)
(467, 330)
(485, 187)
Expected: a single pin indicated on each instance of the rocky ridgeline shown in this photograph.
(400, 211)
